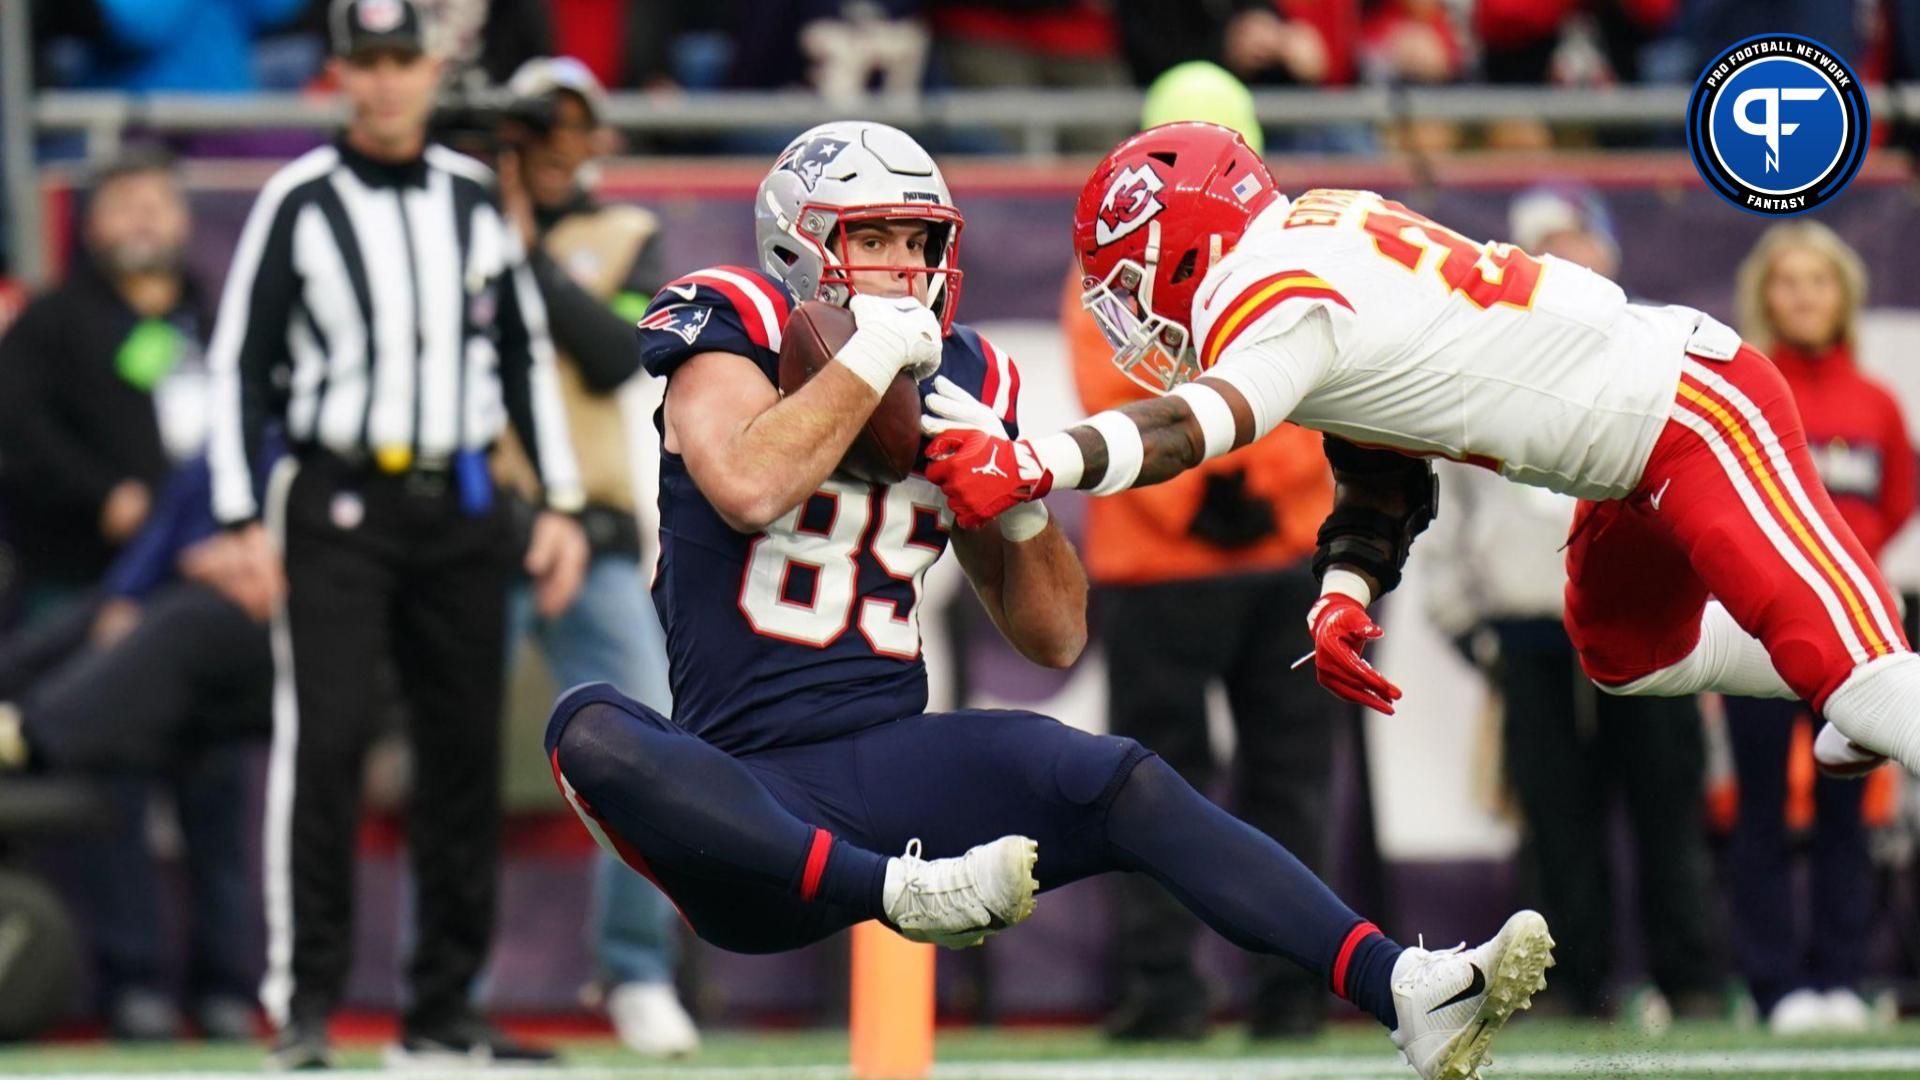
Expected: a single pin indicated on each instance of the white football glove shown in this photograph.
(951, 407)
(891, 335)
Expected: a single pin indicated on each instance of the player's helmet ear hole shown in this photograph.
(786, 255)
(1184, 270)
(1164, 157)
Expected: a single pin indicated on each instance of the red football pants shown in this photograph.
(1729, 506)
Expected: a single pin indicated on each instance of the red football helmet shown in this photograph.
(1154, 217)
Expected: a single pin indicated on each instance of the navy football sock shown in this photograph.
(682, 807)
(1247, 887)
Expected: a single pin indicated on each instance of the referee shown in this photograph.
(380, 311)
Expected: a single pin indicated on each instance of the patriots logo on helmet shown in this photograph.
(1131, 201)
(686, 320)
(809, 160)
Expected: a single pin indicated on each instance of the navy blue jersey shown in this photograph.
(810, 628)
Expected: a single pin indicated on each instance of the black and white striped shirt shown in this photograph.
(386, 313)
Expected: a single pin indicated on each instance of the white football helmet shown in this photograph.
(848, 171)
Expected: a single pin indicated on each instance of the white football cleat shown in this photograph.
(651, 1021)
(1847, 1012)
(1841, 757)
(958, 902)
(1802, 1012)
(1452, 1003)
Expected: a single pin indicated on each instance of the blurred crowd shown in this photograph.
(837, 46)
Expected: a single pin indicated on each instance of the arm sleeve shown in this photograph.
(1275, 372)
(585, 328)
(530, 384)
(33, 442)
(249, 341)
(149, 558)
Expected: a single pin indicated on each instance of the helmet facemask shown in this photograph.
(822, 231)
(1150, 349)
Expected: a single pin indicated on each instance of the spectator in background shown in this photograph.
(193, 46)
(597, 267)
(1026, 43)
(97, 381)
(1495, 579)
(1189, 575)
(846, 47)
(1713, 25)
(1799, 296)
(1569, 43)
(164, 674)
(101, 389)
(1302, 43)
(489, 37)
(1286, 42)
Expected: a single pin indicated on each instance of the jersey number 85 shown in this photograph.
(903, 544)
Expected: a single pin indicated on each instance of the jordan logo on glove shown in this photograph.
(965, 462)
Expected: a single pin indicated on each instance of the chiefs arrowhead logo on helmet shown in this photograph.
(1131, 200)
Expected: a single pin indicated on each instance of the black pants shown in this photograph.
(1569, 749)
(1164, 644)
(195, 672)
(385, 570)
(1776, 956)
(177, 697)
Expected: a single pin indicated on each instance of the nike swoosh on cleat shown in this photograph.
(1478, 985)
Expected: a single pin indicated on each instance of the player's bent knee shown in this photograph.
(597, 743)
(1092, 779)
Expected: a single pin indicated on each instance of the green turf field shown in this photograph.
(1529, 1049)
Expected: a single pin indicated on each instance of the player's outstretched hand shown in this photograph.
(892, 333)
(951, 408)
(984, 475)
(1341, 628)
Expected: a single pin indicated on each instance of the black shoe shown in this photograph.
(1146, 1018)
(301, 1045)
(465, 1042)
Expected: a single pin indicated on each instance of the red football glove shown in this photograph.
(984, 475)
(1341, 628)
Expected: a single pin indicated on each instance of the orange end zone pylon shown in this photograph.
(892, 1010)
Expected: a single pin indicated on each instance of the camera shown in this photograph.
(482, 121)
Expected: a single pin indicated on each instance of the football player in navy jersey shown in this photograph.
(799, 751)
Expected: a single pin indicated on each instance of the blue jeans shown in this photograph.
(611, 634)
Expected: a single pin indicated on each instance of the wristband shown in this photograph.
(1024, 522)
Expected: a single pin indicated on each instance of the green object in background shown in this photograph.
(150, 353)
(1198, 90)
(631, 305)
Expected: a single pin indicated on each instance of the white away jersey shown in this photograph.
(1442, 346)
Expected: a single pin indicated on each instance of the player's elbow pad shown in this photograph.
(1374, 540)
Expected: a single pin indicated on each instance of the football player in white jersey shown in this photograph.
(1705, 554)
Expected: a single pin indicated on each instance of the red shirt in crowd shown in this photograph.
(1857, 438)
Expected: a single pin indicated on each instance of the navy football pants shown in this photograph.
(769, 851)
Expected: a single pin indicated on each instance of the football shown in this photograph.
(884, 451)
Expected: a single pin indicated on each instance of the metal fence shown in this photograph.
(1037, 122)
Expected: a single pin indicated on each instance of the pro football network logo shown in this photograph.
(1778, 124)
